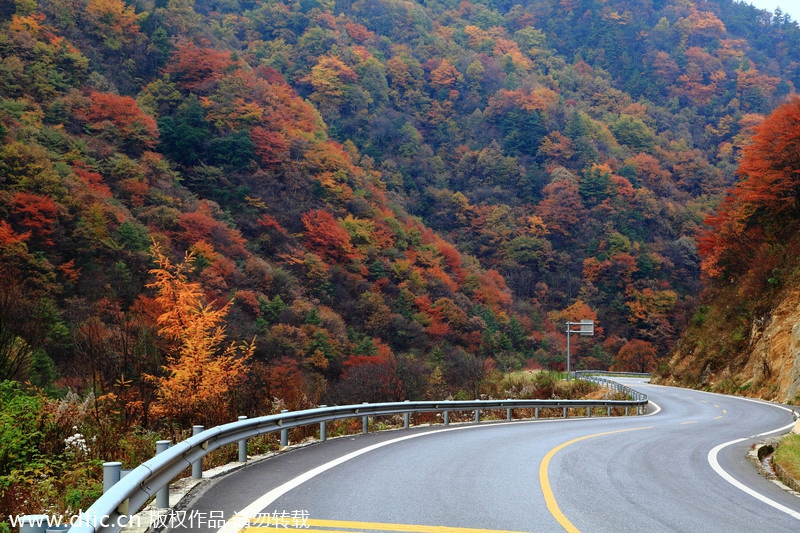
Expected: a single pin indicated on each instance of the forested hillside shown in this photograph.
(212, 208)
(744, 338)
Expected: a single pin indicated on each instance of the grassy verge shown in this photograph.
(787, 458)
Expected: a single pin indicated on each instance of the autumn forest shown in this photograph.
(211, 208)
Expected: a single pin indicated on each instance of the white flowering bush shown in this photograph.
(76, 446)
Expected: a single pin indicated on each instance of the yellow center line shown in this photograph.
(299, 528)
(349, 526)
(544, 479)
(306, 529)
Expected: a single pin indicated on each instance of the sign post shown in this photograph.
(584, 327)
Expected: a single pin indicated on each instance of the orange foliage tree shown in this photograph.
(198, 69)
(445, 75)
(120, 119)
(635, 356)
(574, 313)
(203, 370)
(561, 207)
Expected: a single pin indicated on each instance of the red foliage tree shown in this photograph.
(561, 207)
(120, 116)
(324, 235)
(35, 213)
(493, 291)
(92, 179)
(201, 225)
(371, 378)
(10, 237)
(358, 32)
(271, 147)
(452, 258)
(765, 204)
(286, 380)
(270, 222)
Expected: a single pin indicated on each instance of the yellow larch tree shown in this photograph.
(202, 370)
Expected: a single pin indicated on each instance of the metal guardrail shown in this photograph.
(611, 373)
(594, 377)
(128, 495)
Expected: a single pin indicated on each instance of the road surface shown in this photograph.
(681, 468)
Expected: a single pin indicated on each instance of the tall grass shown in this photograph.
(788, 455)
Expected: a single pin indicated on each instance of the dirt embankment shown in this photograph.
(766, 366)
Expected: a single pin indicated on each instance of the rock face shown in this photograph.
(773, 364)
(767, 367)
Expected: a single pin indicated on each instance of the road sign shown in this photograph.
(585, 328)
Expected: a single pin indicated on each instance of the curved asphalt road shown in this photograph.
(639, 473)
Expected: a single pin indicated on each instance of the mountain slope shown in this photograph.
(428, 190)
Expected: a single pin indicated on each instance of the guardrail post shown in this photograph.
(365, 422)
(284, 433)
(162, 496)
(446, 418)
(626, 410)
(536, 413)
(608, 411)
(33, 523)
(589, 412)
(197, 466)
(242, 446)
(112, 472)
(477, 415)
(406, 420)
(508, 414)
(565, 413)
(323, 429)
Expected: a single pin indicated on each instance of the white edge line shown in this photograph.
(657, 408)
(714, 462)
